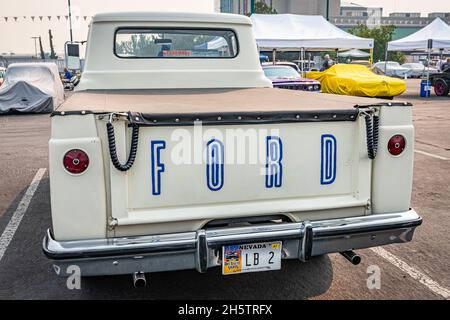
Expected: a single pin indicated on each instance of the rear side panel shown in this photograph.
(78, 202)
(393, 175)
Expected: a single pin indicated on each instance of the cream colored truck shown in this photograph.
(176, 153)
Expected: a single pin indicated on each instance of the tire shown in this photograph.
(441, 88)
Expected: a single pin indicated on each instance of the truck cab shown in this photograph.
(175, 152)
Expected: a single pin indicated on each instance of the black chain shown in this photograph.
(372, 134)
(113, 151)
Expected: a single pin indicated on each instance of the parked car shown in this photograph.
(357, 80)
(31, 87)
(286, 77)
(441, 82)
(282, 63)
(418, 70)
(273, 174)
(393, 69)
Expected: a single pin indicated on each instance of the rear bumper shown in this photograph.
(202, 249)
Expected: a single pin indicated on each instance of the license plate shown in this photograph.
(252, 257)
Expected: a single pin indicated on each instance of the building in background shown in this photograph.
(356, 10)
(405, 14)
(439, 14)
(308, 7)
(342, 14)
(406, 23)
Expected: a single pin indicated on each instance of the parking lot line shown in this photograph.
(431, 155)
(17, 216)
(413, 273)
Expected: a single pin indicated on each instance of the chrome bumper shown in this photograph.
(202, 249)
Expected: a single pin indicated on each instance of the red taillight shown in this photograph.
(396, 144)
(76, 161)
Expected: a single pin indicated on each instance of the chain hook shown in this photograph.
(111, 115)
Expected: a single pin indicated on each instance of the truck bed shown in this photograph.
(183, 101)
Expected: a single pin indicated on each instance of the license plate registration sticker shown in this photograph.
(252, 257)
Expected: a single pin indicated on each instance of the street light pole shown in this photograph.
(252, 6)
(70, 22)
(35, 45)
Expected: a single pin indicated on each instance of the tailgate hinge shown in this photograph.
(112, 224)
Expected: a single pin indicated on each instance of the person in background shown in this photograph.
(327, 63)
(67, 74)
(445, 65)
(439, 64)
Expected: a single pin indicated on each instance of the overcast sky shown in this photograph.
(15, 36)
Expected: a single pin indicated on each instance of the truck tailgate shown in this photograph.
(319, 166)
(278, 157)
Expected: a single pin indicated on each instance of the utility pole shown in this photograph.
(328, 10)
(41, 48)
(70, 22)
(35, 45)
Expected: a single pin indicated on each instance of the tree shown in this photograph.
(381, 35)
(52, 49)
(41, 49)
(263, 8)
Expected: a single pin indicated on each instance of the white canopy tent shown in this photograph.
(435, 36)
(289, 31)
(437, 33)
(215, 44)
(285, 32)
(354, 53)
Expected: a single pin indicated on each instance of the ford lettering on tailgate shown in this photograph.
(215, 172)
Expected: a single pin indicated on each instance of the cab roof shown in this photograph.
(171, 17)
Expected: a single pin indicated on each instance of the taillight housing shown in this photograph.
(76, 161)
(396, 144)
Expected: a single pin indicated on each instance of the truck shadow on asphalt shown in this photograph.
(25, 273)
(296, 280)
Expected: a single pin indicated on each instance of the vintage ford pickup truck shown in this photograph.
(175, 152)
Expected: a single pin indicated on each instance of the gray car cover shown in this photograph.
(24, 97)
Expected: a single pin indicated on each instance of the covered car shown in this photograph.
(31, 87)
(287, 77)
(418, 70)
(357, 80)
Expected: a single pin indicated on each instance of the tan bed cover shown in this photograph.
(209, 100)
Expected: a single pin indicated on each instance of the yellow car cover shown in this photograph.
(357, 80)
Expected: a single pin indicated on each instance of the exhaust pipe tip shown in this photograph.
(139, 280)
(351, 256)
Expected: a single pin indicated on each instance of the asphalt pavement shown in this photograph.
(416, 270)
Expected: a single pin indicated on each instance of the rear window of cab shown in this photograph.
(175, 43)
